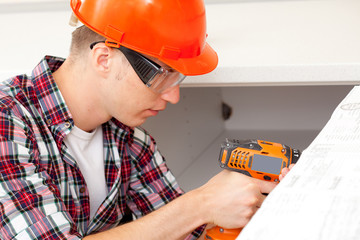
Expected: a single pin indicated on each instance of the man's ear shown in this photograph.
(101, 56)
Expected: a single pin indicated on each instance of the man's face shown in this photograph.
(128, 99)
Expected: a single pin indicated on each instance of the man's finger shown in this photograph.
(265, 186)
(261, 200)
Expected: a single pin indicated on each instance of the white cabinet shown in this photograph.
(287, 42)
(283, 68)
(189, 134)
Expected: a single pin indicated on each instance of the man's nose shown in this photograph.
(171, 95)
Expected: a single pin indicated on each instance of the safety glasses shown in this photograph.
(157, 78)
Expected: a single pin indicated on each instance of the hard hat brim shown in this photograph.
(202, 64)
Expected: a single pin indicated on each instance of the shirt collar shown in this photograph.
(49, 96)
(51, 100)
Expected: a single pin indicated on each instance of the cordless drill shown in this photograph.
(255, 158)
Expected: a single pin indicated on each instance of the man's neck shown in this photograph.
(76, 86)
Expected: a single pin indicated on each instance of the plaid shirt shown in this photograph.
(43, 194)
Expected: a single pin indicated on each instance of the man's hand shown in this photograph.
(230, 199)
(285, 171)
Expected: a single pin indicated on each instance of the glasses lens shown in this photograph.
(165, 80)
(152, 74)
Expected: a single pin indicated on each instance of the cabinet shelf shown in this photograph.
(283, 43)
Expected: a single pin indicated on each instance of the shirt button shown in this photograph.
(48, 121)
(82, 189)
(67, 125)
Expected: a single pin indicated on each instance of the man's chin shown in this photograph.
(137, 123)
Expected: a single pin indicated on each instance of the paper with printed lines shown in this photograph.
(320, 198)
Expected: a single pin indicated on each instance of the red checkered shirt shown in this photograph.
(43, 194)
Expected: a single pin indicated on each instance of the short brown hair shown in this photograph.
(82, 37)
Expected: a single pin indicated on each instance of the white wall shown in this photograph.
(290, 42)
(26, 37)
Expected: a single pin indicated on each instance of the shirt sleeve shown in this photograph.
(152, 184)
(29, 205)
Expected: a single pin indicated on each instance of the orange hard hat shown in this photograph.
(173, 31)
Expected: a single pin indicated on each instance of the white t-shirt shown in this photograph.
(88, 151)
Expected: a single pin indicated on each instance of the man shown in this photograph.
(73, 158)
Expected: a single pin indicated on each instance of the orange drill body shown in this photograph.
(255, 158)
